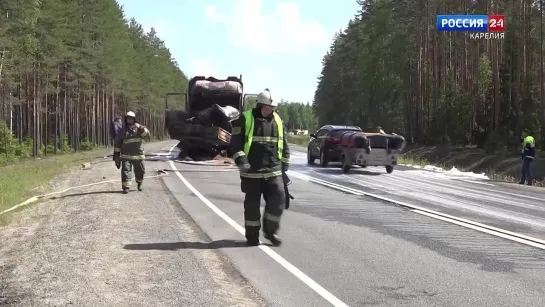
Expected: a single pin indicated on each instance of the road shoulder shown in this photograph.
(98, 247)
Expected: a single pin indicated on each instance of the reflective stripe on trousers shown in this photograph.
(272, 218)
(252, 223)
(261, 175)
(136, 157)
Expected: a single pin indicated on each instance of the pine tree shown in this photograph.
(68, 67)
(391, 67)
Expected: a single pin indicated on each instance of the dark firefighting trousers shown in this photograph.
(526, 174)
(273, 191)
(127, 166)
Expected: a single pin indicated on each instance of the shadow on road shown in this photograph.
(338, 171)
(332, 165)
(366, 173)
(187, 245)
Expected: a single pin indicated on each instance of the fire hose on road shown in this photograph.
(226, 163)
(160, 173)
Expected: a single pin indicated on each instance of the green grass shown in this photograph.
(408, 160)
(25, 179)
(498, 176)
(301, 140)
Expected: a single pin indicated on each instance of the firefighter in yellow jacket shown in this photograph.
(129, 152)
(260, 150)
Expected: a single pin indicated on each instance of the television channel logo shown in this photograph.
(482, 26)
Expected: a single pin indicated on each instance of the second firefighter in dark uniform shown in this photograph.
(261, 152)
(129, 152)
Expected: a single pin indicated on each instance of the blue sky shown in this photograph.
(274, 44)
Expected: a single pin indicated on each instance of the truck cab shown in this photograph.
(204, 126)
(202, 93)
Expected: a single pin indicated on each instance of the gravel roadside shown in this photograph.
(98, 247)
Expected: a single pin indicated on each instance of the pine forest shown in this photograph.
(391, 67)
(68, 67)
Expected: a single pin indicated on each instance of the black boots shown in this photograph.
(252, 242)
(126, 190)
(275, 240)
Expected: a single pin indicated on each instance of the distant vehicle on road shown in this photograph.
(351, 146)
(325, 144)
(370, 149)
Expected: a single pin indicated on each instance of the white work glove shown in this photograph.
(244, 168)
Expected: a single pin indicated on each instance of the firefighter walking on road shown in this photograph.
(528, 156)
(261, 153)
(129, 152)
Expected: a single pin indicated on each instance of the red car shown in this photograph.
(325, 144)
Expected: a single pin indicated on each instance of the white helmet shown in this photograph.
(265, 97)
(130, 114)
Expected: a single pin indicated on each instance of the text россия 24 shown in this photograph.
(477, 26)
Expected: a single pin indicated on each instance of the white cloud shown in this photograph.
(280, 31)
(201, 67)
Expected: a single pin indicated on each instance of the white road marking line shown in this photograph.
(475, 181)
(502, 233)
(484, 189)
(276, 257)
(494, 233)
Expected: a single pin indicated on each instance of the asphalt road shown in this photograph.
(513, 207)
(366, 252)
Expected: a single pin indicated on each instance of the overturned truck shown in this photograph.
(204, 126)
